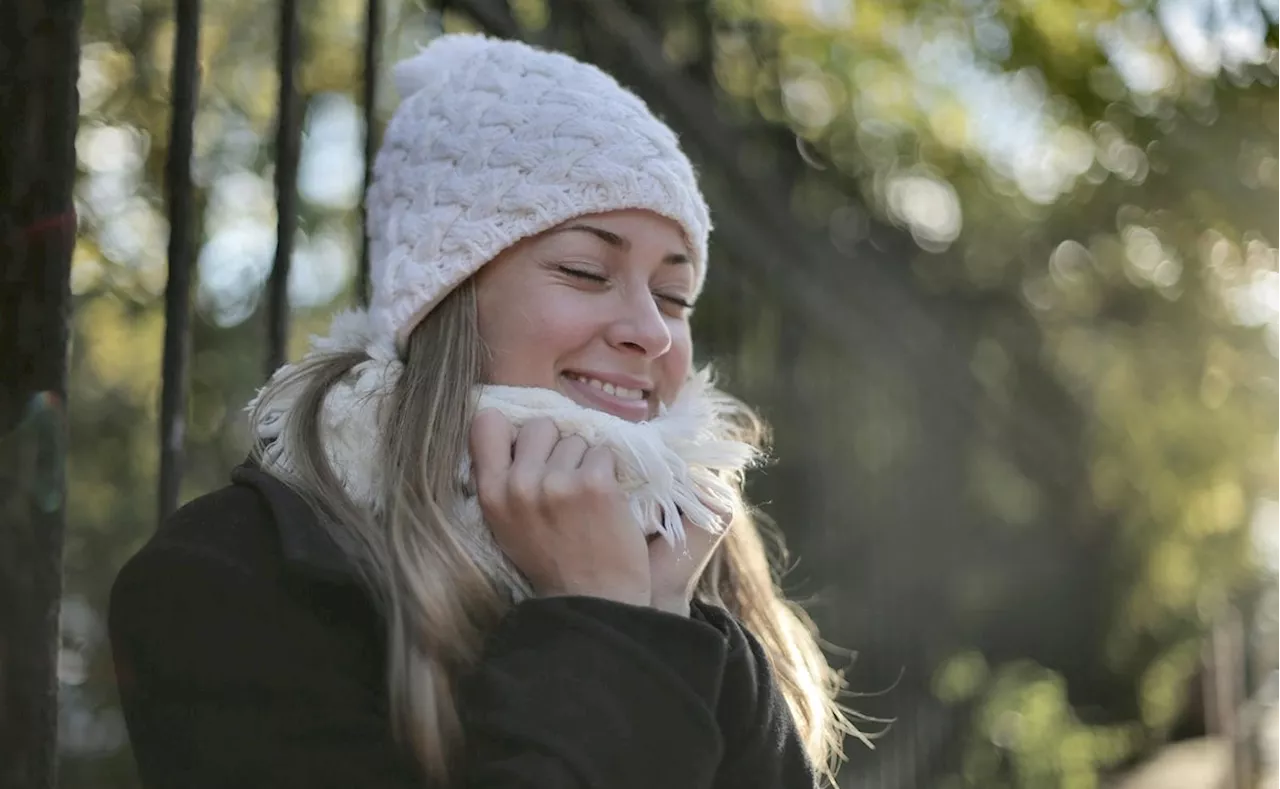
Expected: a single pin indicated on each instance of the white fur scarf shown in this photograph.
(678, 463)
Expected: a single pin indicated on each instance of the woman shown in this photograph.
(335, 617)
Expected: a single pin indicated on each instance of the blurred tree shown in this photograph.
(39, 59)
(1087, 164)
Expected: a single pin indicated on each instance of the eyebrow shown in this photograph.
(620, 242)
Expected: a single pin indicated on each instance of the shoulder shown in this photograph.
(204, 556)
(254, 543)
(252, 540)
(214, 594)
(232, 528)
(258, 527)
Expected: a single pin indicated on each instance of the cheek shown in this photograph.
(554, 325)
(527, 338)
(677, 363)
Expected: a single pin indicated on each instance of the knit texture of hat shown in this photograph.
(495, 141)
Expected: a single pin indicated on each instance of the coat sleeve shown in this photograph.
(763, 749)
(227, 679)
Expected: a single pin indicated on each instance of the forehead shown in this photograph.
(632, 228)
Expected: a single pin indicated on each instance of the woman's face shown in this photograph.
(596, 308)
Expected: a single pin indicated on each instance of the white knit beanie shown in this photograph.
(496, 141)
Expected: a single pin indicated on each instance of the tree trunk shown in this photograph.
(39, 63)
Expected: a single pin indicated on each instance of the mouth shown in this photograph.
(625, 402)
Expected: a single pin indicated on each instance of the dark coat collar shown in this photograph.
(305, 545)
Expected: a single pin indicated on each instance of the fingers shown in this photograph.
(697, 547)
(534, 444)
(557, 511)
(491, 439)
(567, 455)
(560, 481)
(676, 569)
(599, 468)
(723, 510)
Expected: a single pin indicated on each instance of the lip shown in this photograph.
(591, 397)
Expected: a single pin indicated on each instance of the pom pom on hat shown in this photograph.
(431, 66)
(496, 141)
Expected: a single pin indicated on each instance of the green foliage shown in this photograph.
(1080, 160)
(1039, 741)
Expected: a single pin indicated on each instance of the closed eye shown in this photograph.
(600, 279)
(589, 276)
(676, 300)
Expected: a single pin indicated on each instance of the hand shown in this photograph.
(674, 571)
(556, 509)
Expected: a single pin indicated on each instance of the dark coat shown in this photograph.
(249, 655)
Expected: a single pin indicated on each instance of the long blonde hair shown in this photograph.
(441, 596)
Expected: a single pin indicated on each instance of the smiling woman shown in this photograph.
(597, 308)
(492, 533)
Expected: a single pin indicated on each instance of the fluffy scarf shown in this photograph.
(679, 466)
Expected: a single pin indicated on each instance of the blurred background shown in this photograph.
(1002, 274)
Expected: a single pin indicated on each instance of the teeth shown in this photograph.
(620, 392)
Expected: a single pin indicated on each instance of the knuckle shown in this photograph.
(539, 426)
(558, 487)
(523, 487)
(602, 456)
(490, 422)
(599, 481)
(488, 417)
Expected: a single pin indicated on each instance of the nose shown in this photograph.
(641, 327)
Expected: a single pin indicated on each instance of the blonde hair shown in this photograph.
(441, 595)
